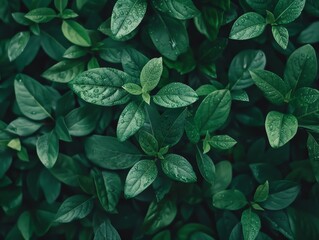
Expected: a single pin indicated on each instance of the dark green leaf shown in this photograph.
(41, 15)
(281, 36)
(17, 45)
(106, 231)
(48, 149)
(206, 166)
(229, 200)
(287, 11)
(251, 225)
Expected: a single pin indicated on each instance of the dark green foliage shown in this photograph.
(159, 119)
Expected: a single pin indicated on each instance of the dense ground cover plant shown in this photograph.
(159, 119)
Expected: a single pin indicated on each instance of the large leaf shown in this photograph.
(41, 15)
(287, 11)
(126, 16)
(280, 128)
(151, 74)
(229, 199)
(213, 111)
(101, 86)
(108, 152)
(251, 225)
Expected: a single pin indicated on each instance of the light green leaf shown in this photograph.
(41, 15)
(132, 88)
(131, 120)
(108, 188)
(175, 95)
(151, 74)
(301, 67)
(102, 86)
(222, 142)
(64, 71)
(206, 166)
(76, 33)
(180, 9)
(262, 192)
(178, 168)
(213, 111)
(281, 35)
(75, 207)
(126, 16)
(74, 52)
(247, 26)
(108, 152)
(48, 149)
(140, 176)
(238, 73)
(23, 126)
(273, 87)
(17, 45)
(60, 5)
(280, 128)
(229, 200)
(287, 11)
(251, 225)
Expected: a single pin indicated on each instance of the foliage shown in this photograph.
(159, 119)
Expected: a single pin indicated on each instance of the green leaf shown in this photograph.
(178, 168)
(306, 103)
(175, 95)
(180, 9)
(52, 46)
(126, 16)
(310, 35)
(82, 121)
(75, 207)
(151, 74)
(247, 26)
(60, 5)
(41, 15)
(159, 215)
(17, 45)
(131, 120)
(281, 36)
(168, 35)
(106, 231)
(102, 86)
(229, 200)
(76, 33)
(251, 225)
(48, 149)
(140, 176)
(74, 52)
(272, 86)
(301, 67)
(133, 62)
(222, 142)
(213, 111)
(68, 14)
(313, 152)
(287, 11)
(23, 127)
(238, 73)
(281, 194)
(64, 71)
(51, 187)
(262, 192)
(15, 144)
(280, 128)
(206, 166)
(108, 152)
(148, 143)
(133, 88)
(108, 188)
(25, 225)
(34, 100)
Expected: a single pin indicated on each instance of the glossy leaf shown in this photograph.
(48, 149)
(17, 45)
(251, 225)
(76, 33)
(229, 200)
(287, 11)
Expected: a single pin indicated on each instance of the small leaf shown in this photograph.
(280, 128)
(178, 168)
(247, 26)
(229, 200)
(251, 225)
(48, 149)
(60, 5)
(126, 16)
(131, 120)
(75, 207)
(206, 166)
(106, 231)
(141, 175)
(148, 143)
(262, 192)
(222, 142)
(151, 74)
(15, 144)
(132, 88)
(288, 10)
(281, 36)
(17, 45)
(76, 33)
(175, 95)
(41, 15)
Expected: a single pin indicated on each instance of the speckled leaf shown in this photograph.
(131, 120)
(247, 26)
(280, 128)
(102, 86)
(281, 35)
(151, 74)
(287, 11)
(141, 175)
(222, 142)
(126, 16)
(251, 225)
(178, 168)
(175, 95)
